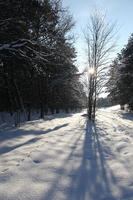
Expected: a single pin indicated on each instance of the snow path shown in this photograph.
(66, 158)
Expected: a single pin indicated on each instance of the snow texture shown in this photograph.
(67, 158)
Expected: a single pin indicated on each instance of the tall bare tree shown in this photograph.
(100, 38)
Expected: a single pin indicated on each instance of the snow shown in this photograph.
(67, 158)
(117, 107)
(15, 44)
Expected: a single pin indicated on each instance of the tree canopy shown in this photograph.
(37, 57)
(120, 84)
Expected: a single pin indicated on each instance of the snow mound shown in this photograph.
(117, 107)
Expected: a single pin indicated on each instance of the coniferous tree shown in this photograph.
(120, 84)
(37, 70)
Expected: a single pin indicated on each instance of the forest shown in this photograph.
(120, 83)
(37, 55)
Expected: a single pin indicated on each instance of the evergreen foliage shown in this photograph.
(120, 84)
(37, 55)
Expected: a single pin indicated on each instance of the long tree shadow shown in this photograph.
(61, 172)
(92, 179)
(7, 149)
(21, 132)
(127, 116)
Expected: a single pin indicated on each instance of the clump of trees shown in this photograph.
(120, 84)
(37, 57)
(104, 102)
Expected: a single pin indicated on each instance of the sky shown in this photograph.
(119, 11)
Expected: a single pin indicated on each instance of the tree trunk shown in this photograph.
(40, 83)
(19, 98)
(29, 113)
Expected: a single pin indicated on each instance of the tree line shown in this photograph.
(37, 56)
(120, 83)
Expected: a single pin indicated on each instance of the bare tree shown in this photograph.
(100, 38)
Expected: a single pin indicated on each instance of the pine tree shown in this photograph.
(120, 84)
(37, 57)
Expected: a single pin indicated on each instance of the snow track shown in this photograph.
(68, 158)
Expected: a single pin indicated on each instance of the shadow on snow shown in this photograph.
(16, 133)
(127, 116)
(19, 133)
(93, 179)
(7, 149)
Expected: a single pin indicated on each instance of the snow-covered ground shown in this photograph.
(68, 158)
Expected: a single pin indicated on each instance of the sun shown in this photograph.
(91, 70)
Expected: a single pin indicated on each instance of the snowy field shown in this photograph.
(66, 158)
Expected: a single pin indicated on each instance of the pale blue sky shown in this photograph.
(116, 10)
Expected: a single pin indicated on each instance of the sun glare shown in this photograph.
(91, 71)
